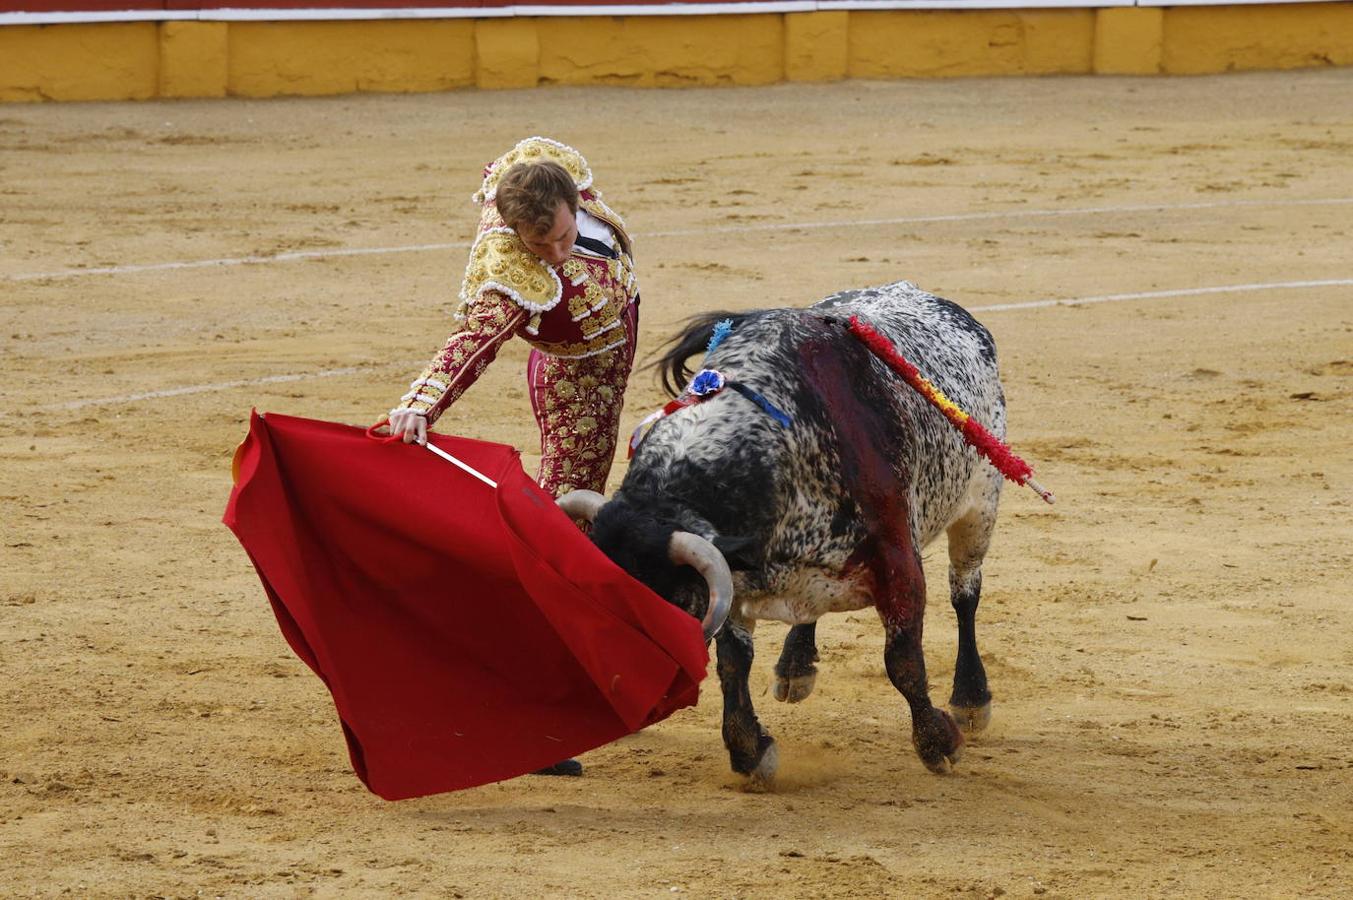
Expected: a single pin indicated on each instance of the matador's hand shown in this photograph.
(410, 425)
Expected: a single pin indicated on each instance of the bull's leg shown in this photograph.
(901, 605)
(751, 751)
(934, 733)
(971, 700)
(795, 673)
(969, 538)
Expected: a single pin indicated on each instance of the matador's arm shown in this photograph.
(489, 321)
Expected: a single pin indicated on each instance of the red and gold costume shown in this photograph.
(580, 318)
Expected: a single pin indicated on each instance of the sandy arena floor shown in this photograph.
(1171, 646)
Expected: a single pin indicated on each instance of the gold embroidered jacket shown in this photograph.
(573, 310)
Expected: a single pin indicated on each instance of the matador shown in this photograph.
(551, 264)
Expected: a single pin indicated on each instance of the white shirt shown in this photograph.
(589, 226)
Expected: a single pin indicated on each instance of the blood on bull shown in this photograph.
(810, 477)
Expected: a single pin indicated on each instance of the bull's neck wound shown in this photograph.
(880, 492)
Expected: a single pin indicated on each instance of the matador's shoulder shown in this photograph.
(499, 261)
(534, 149)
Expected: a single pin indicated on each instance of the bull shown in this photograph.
(827, 514)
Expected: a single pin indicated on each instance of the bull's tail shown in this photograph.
(692, 339)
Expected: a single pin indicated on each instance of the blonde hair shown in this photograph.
(529, 195)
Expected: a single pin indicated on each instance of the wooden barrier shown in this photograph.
(87, 50)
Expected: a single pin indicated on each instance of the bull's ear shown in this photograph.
(740, 552)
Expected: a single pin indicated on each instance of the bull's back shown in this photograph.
(951, 348)
(956, 354)
(792, 489)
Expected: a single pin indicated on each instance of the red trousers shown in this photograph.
(577, 404)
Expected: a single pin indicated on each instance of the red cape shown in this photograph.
(468, 634)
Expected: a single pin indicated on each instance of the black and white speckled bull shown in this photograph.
(827, 515)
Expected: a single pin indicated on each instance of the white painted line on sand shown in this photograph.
(1000, 307)
(1004, 214)
(1155, 295)
(205, 388)
(229, 261)
(687, 232)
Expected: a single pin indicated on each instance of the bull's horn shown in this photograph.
(581, 504)
(688, 549)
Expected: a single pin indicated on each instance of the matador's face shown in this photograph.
(554, 245)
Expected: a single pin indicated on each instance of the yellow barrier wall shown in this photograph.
(309, 58)
(817, 46)
(662, 51)
(116, 61)
(131, 61)
(945, 43)
(194, 59)
(1260, 37)
(1128, 41)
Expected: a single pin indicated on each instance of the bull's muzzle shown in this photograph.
(685, 549)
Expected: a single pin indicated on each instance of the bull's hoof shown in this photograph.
(792, 689)
(972, 719)
(938, 741)
(762, 778)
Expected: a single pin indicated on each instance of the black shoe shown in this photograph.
(569, 767)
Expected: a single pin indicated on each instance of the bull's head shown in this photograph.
(666, 576)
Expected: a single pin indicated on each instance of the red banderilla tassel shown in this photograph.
(993, 448)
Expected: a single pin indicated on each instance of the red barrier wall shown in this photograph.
(9, 6)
